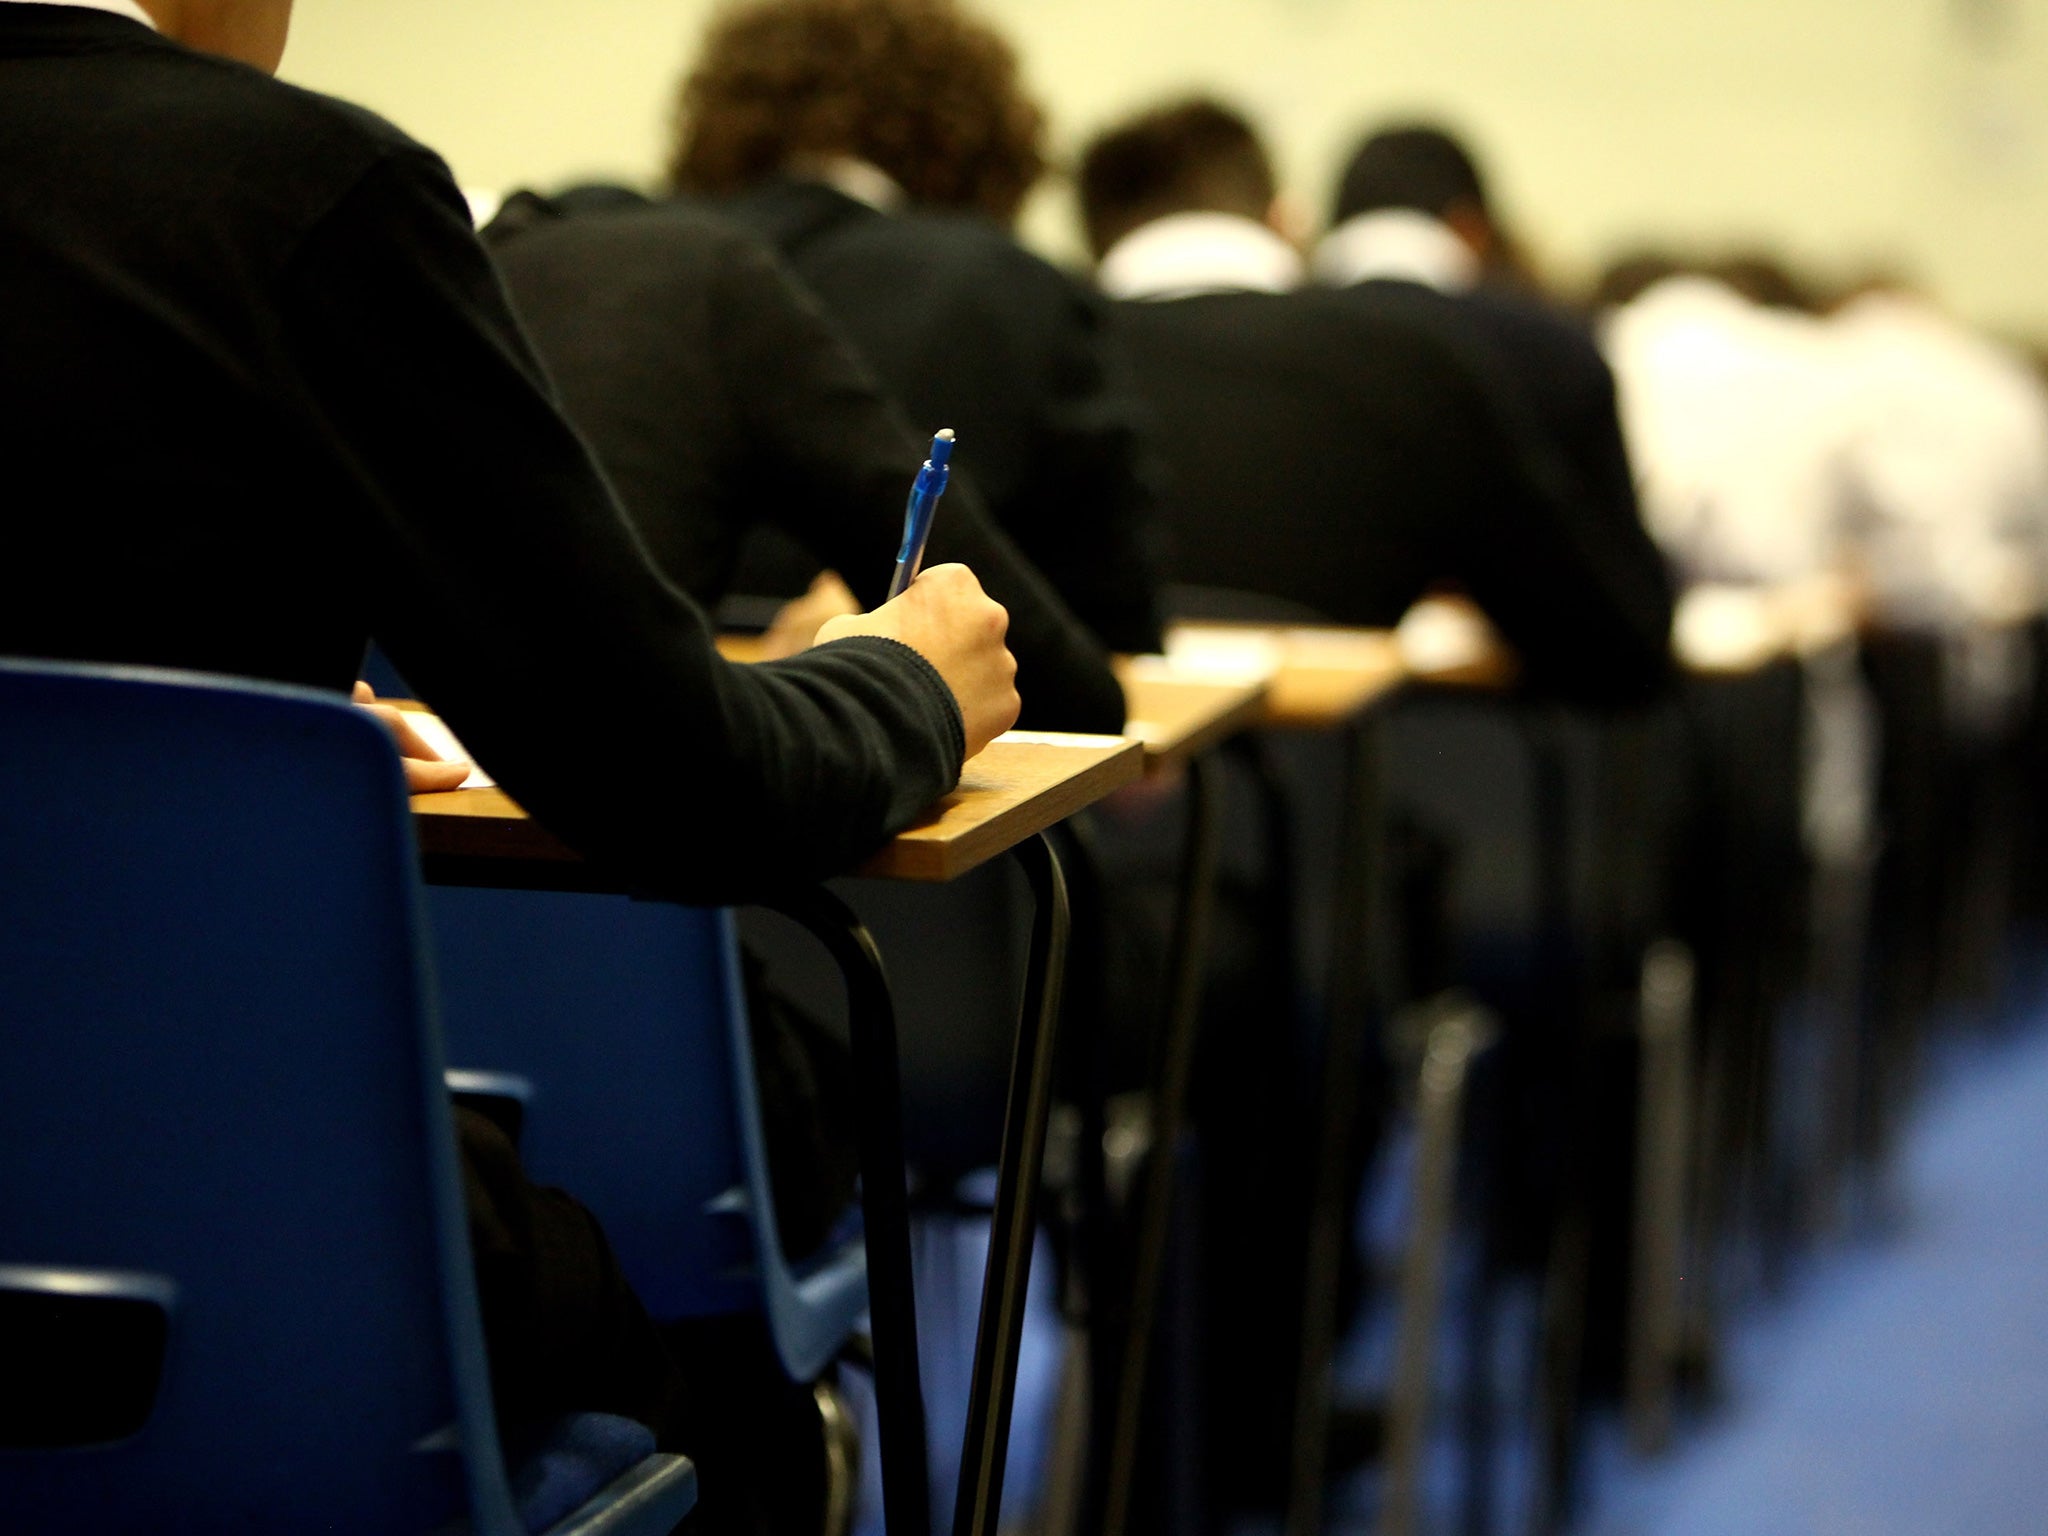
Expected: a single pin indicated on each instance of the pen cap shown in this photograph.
(942, 448)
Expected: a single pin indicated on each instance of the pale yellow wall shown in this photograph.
(1841, 129)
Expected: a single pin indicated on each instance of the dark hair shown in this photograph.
(1413, 165)
(1767, 279)
(1195, 154)
(1634, 273)
(919, 88)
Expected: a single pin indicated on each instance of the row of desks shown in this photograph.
(1178, 707)
(1214, 682)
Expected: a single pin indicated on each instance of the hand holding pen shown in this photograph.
(946, 618)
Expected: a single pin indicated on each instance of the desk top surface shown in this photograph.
(1174, 714)
(1322, 675)
(1022, 784)
(1178, 716)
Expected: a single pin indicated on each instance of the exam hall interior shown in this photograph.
(1495, 982)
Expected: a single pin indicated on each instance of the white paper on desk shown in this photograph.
(1338, 648)
(1720, 625)
(433, 730)
(1058, 739)
(1438, 636)
(1222, 653)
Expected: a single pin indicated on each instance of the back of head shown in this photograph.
(919, 89)
(1193, 156)
(1634, 273)
(1767, 279)
(1414, 166)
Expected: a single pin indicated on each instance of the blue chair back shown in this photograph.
(629, 1020)
(221, 1099)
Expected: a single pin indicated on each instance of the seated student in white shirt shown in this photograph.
(1411, 206)
(1776, 441)
(1347, 450)
(1412, 212)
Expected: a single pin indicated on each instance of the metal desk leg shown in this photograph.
(994, 1381)
(1194, 903)
(1663, 1107)
(1569, 1272)
(878, 1111)
(1346, 1038)
(1094, 1300)
(1456, 1031)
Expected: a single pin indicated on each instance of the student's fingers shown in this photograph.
(947, 618)
(361, 694)
(425, 769)
(425, 778)
(796, 623)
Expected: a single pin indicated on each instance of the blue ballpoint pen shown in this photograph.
(925, 492)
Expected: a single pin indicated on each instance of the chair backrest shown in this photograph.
(220, 1097)
(629, 1020)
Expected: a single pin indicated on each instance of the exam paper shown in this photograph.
(433, 730)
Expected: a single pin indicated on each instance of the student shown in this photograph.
(1411, 205)
(1774, 442)
(261, 399)
(1412, 217)
(719, 400)
(1346, 451)
(884, 147)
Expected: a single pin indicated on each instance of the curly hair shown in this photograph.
(918, 88)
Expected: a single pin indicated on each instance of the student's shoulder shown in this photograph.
(1302, 324)
(964, 250)
(1477, 327)
(275, 139)
(621, 229)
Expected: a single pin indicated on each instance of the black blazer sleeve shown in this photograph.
(1557, 396)
(1580, 592)
(835, 460)
(508, 587)
(1087, 470)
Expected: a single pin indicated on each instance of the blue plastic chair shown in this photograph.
(222, 1114)
(629, 1020)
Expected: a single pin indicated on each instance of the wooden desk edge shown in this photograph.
(1228, 706)
(917, 854)
(477, 830)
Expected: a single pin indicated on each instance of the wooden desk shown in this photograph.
(1009, 794)
(1314, 676)
(1175, 713)
(1022, 784)
(1178, 715)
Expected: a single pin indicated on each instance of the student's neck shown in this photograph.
(249, 31)
(861, 180)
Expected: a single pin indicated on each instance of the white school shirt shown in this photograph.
(1190, 253)
(1742, 426)
(1398, 243)
(1953, 460)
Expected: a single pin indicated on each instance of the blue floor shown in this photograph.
(1898, 1386)
(1901, 1387)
